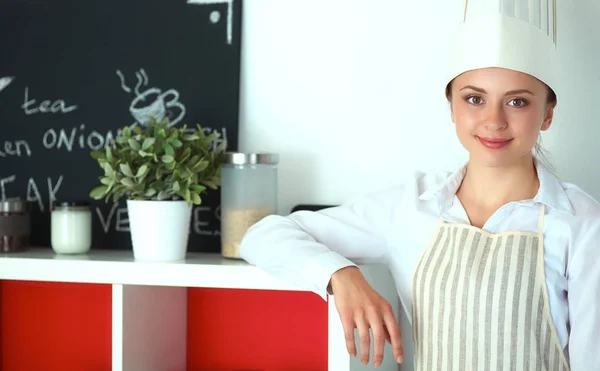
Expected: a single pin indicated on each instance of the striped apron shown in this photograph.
(480, 302)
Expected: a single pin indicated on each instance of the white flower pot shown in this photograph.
(159, 229)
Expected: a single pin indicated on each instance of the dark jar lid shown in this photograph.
(71, 205)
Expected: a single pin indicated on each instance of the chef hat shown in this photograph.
(514, 34)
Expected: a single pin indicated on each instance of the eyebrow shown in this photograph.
(512, 92)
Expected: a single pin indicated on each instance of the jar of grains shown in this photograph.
(14, 225)
(248, 194)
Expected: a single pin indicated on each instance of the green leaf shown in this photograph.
(118, 192)
(162, 195)
(150, 192)
(185, 155)
(197, 188)
(125, 169)
(187, 195)
(134, 144)
(98, 192)
(106, 181)
(212, 137)
(200, 165)
(126, 132)
(108, 170)
(171, 165)
(162, 133)
(186, 172)
(193, 160)
(148, 142)
(176, 186)
(190, 137)
(142, 171)
(174, 134)
(109, 154)
(176, 143)
(196, 198)
(144, 154)
(98, 154)
(167, 159)
(128, 182)
(210, 184)
(137, 130)
(169, 151)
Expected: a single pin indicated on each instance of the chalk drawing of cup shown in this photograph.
(157, 104)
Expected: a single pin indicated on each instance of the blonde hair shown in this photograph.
(541, 155)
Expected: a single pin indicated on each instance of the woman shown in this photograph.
(498, 263)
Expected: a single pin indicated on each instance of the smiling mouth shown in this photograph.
(494, 143)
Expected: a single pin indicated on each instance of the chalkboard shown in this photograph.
(72, 72)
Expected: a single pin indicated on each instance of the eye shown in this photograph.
(474, 99)
(518, 102)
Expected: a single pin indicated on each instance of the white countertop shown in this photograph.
(119, 267)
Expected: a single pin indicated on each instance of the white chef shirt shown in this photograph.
(393, 226)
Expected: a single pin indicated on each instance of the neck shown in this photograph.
(492, 187)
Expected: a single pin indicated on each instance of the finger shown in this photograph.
(365, 339)
(396, 336)
(348, 325)
(388, 338)
(378, 331)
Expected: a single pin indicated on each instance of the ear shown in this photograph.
(549, 115)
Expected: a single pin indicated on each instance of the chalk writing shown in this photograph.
(5, 81)
(33, 191)
(215, 15)
(58, 106)
(201, 220)
(107, 221)
(122, 223)
(20, 147)
(152, 102)
(118, 218)
(3, 181)
(77, 137)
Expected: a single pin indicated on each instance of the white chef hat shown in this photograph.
(514, 34)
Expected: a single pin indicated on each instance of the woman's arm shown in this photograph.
(584, 299)
(306, 248)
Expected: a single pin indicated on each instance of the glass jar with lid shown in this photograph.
(71, 227)
(249, 192)
(14, 225)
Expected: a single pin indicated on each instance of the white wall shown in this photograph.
(350, 93)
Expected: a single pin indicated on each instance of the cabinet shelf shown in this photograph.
(119, 267)
(150, 303)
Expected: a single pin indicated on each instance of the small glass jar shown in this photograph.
(249, 192)
(71, 227)
(14, 225)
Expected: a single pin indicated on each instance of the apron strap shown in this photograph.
(541, 219)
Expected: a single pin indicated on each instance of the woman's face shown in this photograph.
(498, 114)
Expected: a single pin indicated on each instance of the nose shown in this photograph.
(495, 119)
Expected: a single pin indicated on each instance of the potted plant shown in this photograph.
(162, 171)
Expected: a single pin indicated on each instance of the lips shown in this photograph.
(494, 143)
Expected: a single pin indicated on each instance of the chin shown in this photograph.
(498, 159)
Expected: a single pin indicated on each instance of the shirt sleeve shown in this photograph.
(584, 300)
(306, 248)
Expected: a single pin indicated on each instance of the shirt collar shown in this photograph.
(551, 193)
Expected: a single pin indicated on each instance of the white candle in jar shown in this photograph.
(71, 228)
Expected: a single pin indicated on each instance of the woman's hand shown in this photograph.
(362, 308)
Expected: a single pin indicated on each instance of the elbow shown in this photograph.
(258, 238)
